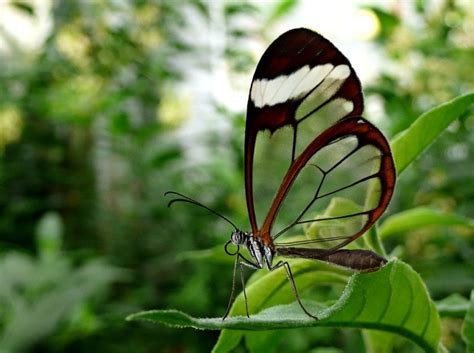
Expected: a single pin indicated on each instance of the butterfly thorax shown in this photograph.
(261, 253)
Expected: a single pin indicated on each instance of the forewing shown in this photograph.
(303, 86)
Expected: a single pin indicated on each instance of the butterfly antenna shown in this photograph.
(184, 198)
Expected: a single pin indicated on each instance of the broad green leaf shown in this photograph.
(393, 299)
(420, 217)
(410, 143)
(468, 326)
(453, 306)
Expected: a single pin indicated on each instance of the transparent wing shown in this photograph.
(303, 86)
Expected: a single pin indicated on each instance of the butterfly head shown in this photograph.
(237, 238)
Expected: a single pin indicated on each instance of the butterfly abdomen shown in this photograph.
(362, 260)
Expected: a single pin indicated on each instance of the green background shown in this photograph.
(90, 140)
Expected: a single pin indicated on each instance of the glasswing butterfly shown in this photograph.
(333, 169)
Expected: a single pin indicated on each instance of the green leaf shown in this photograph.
(49, 235)
(468, 326)
(409, 144)
(420, 217)
(24, 7)
(393, 299)
(379, 341)
(38, 301)
(453, 306)
(280, 9)
(338, 206)
(166, 155)
(388, 22)
(266, 341)
(214, 255)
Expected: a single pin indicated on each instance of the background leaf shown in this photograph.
(420, 217)
(409, 144)
(453, 306)
(468, 326)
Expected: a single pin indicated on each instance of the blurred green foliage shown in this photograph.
(89, 141)
(46, 294)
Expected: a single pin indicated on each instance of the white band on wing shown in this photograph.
(295, 85)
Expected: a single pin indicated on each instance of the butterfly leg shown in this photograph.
(243, 288)
(289, 274)
(242, 261)
(232, 290)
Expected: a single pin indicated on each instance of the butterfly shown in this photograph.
(333, 169)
